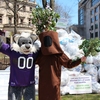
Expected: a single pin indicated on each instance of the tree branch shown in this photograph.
(44, 3)
(7, 3)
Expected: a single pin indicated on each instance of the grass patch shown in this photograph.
(79, 97)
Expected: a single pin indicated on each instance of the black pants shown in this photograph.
(17, 93)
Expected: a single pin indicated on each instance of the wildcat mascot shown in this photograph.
(22, 54)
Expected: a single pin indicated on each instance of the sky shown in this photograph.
(71, 6)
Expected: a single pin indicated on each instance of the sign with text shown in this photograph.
(62, 23)
(80, 84)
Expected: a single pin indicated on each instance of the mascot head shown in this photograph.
(25, 43)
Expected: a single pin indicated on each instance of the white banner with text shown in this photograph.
(80, 84)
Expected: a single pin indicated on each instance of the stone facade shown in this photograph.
(24, 16)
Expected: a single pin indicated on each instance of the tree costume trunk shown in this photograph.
(50, 60)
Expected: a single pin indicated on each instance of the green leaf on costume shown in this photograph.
(90, 47)
(44, 19)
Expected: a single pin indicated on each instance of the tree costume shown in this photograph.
(51, 57)
(50, 60)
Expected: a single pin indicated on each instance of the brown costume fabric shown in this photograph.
(50, 61)
(54, 48)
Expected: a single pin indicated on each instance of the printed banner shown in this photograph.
(80, 84)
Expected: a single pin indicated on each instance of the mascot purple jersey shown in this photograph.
(21, 65)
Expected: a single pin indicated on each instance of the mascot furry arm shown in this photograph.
(22, 54)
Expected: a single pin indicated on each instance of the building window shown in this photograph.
(96, 9)
(21, 20)
(30, 8)
(0, 18)
(96, 34)
(91, 35)
(10, 20)
(92, 12)
(7, 40)
(30, 22)
(17, 6)
(24, 9)
(96, 18)
(96, 26)
(93, 2)
(1, 3)
(92, 20)
(91, 27)
(81, 16)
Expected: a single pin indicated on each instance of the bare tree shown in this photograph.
(15, 16)
(52, 3)
(60, 9)
(44, 3)
(14, 10)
